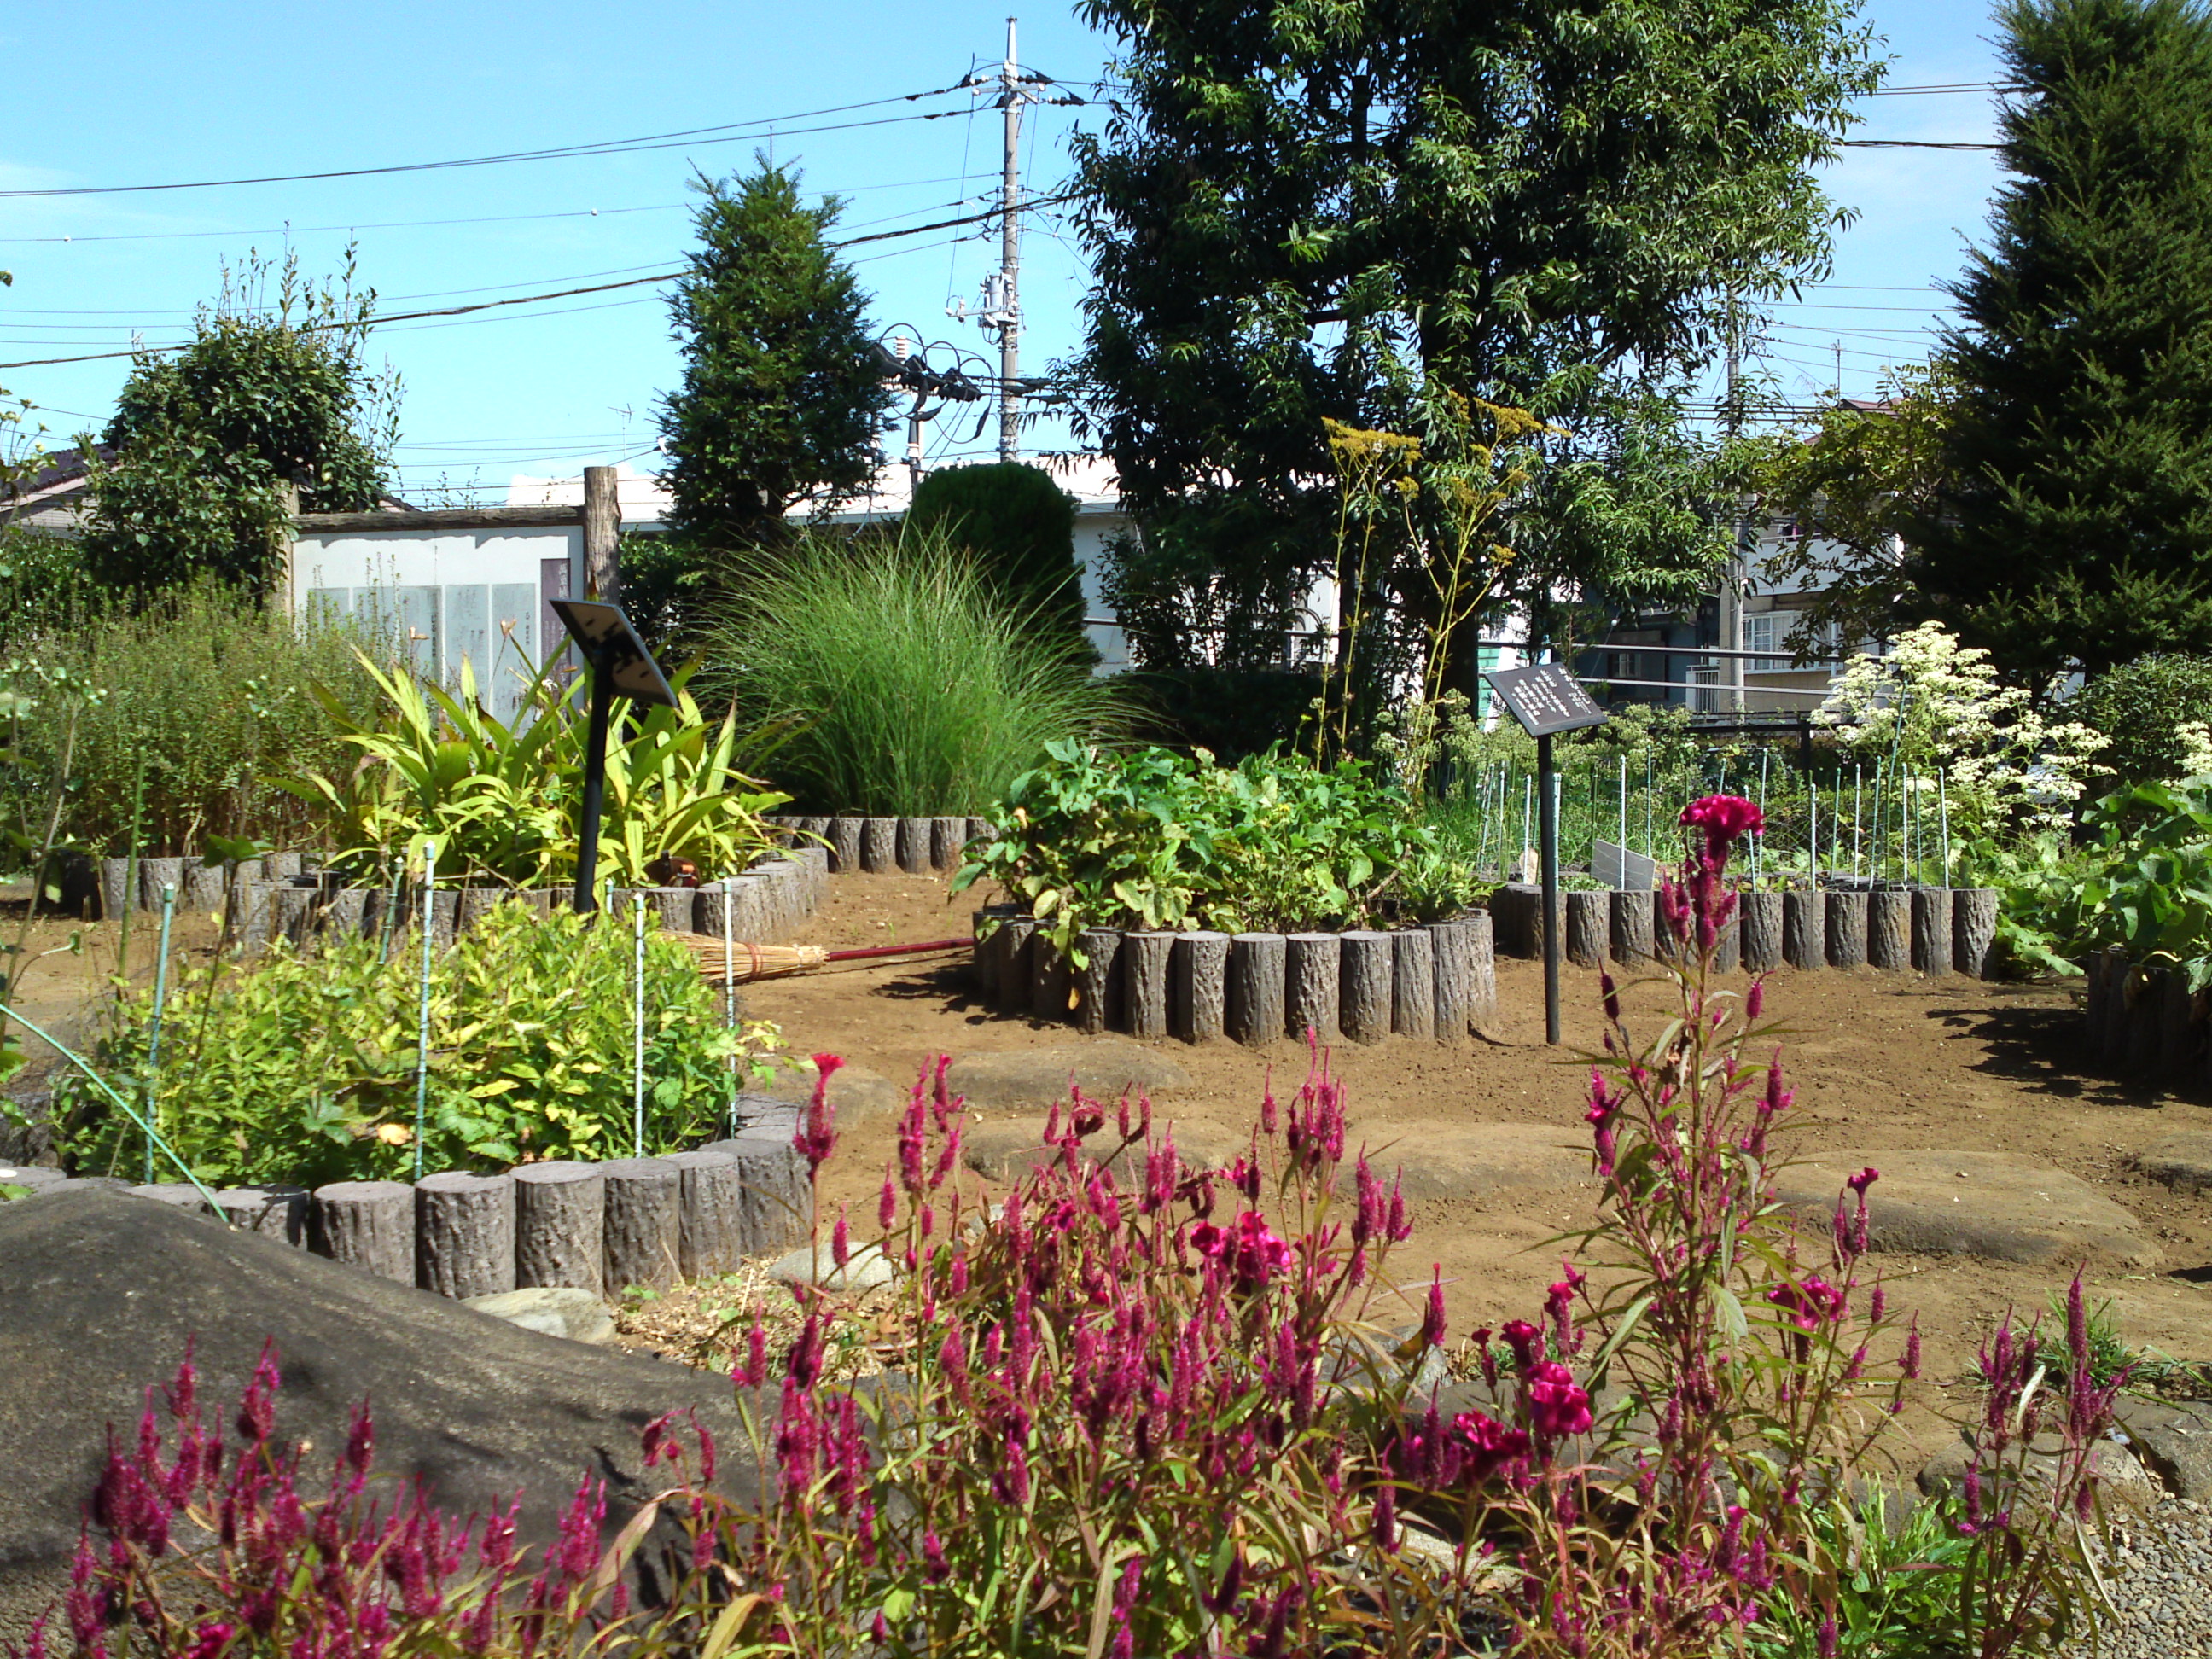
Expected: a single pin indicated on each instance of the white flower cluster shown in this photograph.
(1933, 704)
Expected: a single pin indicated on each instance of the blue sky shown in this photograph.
(157, 93)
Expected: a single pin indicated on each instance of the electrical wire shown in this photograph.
(534, 299)
(753, 128)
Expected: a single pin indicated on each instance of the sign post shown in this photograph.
(1547, 700)
(619, 663)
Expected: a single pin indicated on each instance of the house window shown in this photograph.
(1763, 632)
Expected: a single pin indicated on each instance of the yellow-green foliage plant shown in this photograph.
(500, 800)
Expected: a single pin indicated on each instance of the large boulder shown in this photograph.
(101, 1292)
(1105, 1068)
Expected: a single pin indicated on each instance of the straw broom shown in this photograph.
(746, 962)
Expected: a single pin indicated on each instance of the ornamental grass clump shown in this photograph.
(1149, 1406)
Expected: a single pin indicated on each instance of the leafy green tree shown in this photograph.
(1299, 211)
(2155, 716)
(781, 402)
(1017, 520)
(1858, 483)
(2074, 526)
(269, 396)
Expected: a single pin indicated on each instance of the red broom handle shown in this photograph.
(899, 950)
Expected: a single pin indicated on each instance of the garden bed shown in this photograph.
(768, 901)
(1436, 982)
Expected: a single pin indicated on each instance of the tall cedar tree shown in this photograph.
(269, 392)
(1303, 209)
(2074, 525)
(781, 402)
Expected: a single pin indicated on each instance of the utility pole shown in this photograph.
(1002, 302)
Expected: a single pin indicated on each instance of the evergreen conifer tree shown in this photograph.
(781, 402)
(2074, 523)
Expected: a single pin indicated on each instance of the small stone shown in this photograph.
(564, 1312)
(865, 1268)
(1104, 1068)
(856, 1094)
(1479, 1160)
(2183, 1161)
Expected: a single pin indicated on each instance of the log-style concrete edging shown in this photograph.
(1436, 981)
(886, 846)
(591, 1226)
(1932, 929)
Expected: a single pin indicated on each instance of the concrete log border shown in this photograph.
(594, 1226)
(767, 903)
(879, 846)
(1436, 982)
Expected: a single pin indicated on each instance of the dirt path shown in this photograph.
(1881, 1063)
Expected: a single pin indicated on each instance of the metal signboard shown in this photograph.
(1546, 698)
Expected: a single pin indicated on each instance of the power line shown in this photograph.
(1910, 144)
(561, 294)
(753, 128)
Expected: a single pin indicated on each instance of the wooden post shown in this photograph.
(1413, 983)
(465, 1234)
(1197, 986)
(1145, 981)
(279, 1213)
(1016, 963)
(709, 1232)
(644, 1222)
(1483, 949)
(878, 846)
(369, 1224)
(1759, 927)
(1889, 930)
(1630, 931)
(1728, 941)
(560, 1218)
(1589, 921)
(1974, 931)
(845, 845)
(948, 843)
(602, 535)
(1805, 928)
(1847, 928)
(1364, 1007)
(1257, 969)
(915, 837)
(1052, 979)
(775, 1200)
(1098, 983)
(1311, 986)
(285, 533)
(1451, 959)
(1931, 930)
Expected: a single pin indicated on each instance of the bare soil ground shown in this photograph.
(1879, 1062)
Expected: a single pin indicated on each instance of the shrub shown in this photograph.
(200, 696)
(1145, 1406)
(1153, 839)
(1230, 713)
(1019, 525)
(301, 1069)
(2155, 716)
(911, 683)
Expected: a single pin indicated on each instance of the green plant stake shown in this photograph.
(391, 912)
(131, 869)
(730, 993)
(1759, 842)
(1943, 812)
(153, 1030)
(422, 1019)
(128, 1110)
(637, 1027)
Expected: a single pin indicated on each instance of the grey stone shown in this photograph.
(1005, 1151)
(1482, 1160)
(1994, 1205)
(865, 1268)
(100, 1294)
(577, 1316)
(34, 1177)
(2183, 1161)
(2174, 1440)
(1103, 1067)
(856, 1094)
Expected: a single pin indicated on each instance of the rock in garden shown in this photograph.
(100, 1293)
(1480, 1161)
(1994, 1205)
(564, 1312)
(2183, 1161)
(1004, 1151)
(1102, 1068)
(857, 1093)
(865, 1269)
(2174, 1438)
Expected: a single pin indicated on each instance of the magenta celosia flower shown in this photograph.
(1487, 1445)
(1558, 1405)
(818, 1135)
(1249, 1252)
(1728, 818)
(1810, 1303)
